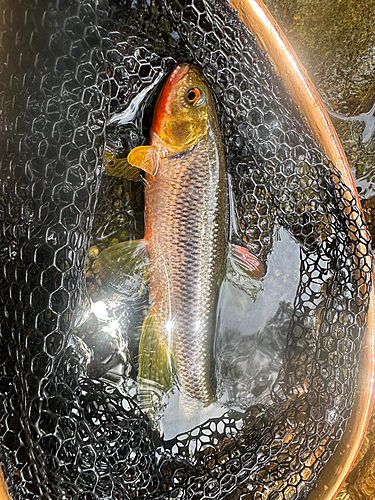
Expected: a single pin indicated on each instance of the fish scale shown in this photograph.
(187, 248)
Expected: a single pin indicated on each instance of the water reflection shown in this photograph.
(249, 347)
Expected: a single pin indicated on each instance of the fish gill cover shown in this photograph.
(68, 66)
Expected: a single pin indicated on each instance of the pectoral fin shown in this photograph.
(144, 158)
(248, 262)
(120, 167)
(155, 374)
(125, 267)
(245, 270)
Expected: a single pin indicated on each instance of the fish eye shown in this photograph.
(193, 95)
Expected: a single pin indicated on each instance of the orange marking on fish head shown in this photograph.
(163, 105)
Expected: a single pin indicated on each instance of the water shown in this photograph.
(249, 342)
(252, 325)
(357, 134)
(335, 42)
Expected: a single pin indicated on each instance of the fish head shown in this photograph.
(182, 111)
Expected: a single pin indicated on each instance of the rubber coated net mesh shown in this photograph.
(69, 431)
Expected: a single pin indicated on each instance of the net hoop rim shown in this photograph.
(257, 18)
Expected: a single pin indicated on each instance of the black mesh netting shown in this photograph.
(67, 66)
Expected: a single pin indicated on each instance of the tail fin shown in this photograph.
(155, 373)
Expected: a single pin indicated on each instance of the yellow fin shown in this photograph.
(124, 267)
(144, 157)
(120, 167)
(155, 373)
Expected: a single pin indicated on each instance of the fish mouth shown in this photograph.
(179, 73)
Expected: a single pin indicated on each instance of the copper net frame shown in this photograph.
(255, 15)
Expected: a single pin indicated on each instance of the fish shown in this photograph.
(186, 238)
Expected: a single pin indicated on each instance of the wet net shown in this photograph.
(67, 430)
